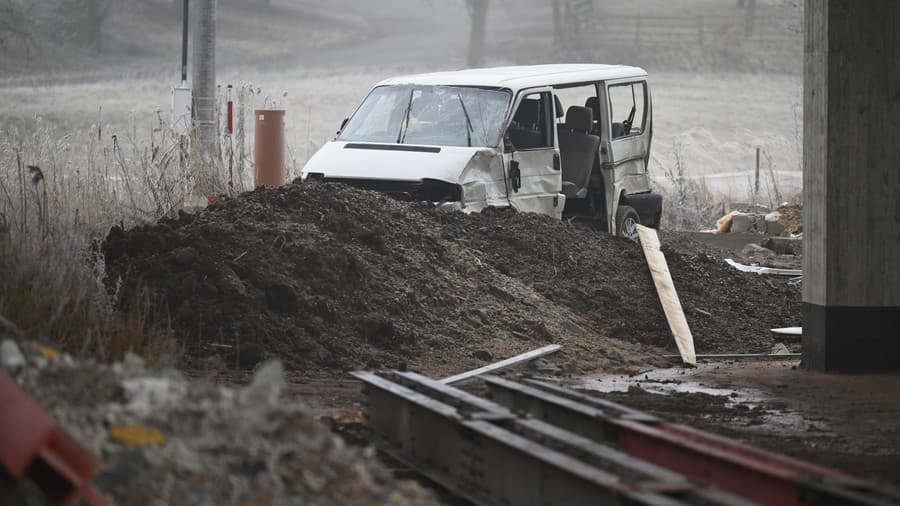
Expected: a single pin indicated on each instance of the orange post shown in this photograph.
(269, 151)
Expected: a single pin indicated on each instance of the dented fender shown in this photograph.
(483, 181)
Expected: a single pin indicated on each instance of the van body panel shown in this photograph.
(541, 179)
(336, 160)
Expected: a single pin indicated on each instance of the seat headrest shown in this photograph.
(593, 103)
(580, 119)
(529, 112)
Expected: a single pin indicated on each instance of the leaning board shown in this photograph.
(665, 288)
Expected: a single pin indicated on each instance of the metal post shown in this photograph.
(756, 185)
(184, 42)
(204, 74)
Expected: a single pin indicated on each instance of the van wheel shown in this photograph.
(627, 220)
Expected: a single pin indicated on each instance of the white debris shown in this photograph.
(266, 387)
(148, 394)
(11, 357)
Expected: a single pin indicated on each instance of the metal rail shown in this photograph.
(539, 444)
(487, 454)
(752, 473)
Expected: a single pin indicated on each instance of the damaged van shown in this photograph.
(570, 141)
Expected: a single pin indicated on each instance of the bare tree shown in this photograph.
(557, 23)
(750, 17)
(12, 21)
(478, 10)
(82, 22)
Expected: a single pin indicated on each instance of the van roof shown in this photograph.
(520, 77)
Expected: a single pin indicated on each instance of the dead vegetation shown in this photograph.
(57, 198)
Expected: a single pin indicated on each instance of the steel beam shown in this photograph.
(485, 453)
(747, 471)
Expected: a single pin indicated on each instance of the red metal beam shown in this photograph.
(33, 445)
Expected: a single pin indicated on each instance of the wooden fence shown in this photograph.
(660, 31)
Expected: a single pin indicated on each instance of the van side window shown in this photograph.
(530, 128)
(582, 96)
(627, 103)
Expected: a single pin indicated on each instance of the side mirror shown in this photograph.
(343, 124)
(508, 145)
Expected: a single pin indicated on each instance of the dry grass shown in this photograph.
(59, 195)
(53, 213)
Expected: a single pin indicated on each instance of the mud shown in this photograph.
(779, 407)
(328, 277)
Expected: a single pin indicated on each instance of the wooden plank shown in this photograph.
(503, 364)
(665, 288)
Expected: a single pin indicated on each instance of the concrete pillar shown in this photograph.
(851, 179)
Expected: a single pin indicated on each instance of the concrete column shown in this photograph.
(851, 179)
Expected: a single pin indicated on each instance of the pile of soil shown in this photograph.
(606, 280)
(791, 217)
(326, 276)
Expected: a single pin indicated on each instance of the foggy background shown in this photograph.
(725, 74)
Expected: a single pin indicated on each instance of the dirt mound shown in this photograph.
(791, 217)
(321, 275)
(606, 280)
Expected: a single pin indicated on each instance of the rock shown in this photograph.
(482, 315)
(266, 386)
(543, 365)
(757, 252)
(11, 357)
(784, 245)
(740, 223)
(483, 355)
(774, 228)
(779, 349)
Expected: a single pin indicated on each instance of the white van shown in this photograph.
(563, 140)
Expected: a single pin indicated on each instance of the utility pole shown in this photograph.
(557, 24)
(204, 74)
(478, 10)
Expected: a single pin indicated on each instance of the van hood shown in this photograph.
(395, 162)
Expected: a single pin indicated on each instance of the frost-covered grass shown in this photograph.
(58, 197)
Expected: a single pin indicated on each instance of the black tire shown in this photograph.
(627, 220)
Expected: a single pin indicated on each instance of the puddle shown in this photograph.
(761, 416)
(673, 380)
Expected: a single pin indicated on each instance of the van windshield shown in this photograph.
(430, 115)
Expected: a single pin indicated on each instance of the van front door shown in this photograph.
(534, 178)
